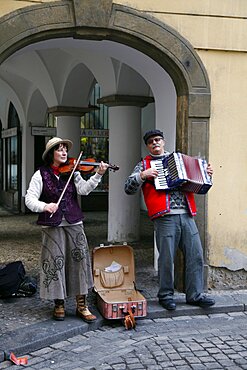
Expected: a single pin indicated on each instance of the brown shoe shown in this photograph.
(59, 312)
(82, 310)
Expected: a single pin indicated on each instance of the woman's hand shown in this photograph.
(102, 168)
(51, 207)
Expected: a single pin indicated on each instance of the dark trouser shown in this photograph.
(179, 231)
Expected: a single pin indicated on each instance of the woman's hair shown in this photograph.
(50, 155)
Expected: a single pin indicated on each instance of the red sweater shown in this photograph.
(158, 201)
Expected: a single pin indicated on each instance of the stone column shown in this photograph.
(124, 151)
(69, 125)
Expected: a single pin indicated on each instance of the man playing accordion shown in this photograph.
(171, 211)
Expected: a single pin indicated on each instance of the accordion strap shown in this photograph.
(149, 182)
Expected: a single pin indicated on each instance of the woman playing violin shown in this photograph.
(65, 261)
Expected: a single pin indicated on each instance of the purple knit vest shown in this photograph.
(52, 189)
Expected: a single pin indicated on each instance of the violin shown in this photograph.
(73, 165)
(86, 166)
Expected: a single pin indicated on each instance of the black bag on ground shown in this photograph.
(11, 276)
(27, 288)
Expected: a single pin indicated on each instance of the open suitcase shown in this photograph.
(115, 288)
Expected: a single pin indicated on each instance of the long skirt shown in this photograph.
(65, 263)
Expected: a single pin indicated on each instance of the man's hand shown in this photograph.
(150, 172)
(210, 170)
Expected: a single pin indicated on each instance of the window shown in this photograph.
(12, 175)
(1, 158)
(11, 147)
(94, 134)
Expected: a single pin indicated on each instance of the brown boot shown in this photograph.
(59, 312)
(82, 309)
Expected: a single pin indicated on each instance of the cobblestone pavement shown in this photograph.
(188, 338)
(217, 341)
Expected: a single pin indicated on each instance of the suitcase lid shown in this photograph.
(119, 261)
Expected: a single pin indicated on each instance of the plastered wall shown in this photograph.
(217, 30)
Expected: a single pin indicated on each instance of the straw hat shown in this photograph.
(56, 141)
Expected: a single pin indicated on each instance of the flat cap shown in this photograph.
(151, 133)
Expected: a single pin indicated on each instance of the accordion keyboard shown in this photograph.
(160, 181)
(181, 170)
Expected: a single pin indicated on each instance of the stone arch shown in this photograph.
(91, 20)
(105, 20)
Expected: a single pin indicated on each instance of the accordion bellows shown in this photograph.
(181, 170)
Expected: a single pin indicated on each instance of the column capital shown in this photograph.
(71, 111)
(125, 100)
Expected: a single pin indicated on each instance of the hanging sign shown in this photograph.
(88, 132)
(9, 132)
(44, 131)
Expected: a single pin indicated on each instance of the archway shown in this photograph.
(81, 19)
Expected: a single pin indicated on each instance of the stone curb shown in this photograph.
(46, 333)
(43, 334)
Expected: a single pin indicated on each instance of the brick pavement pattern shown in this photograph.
(213, 341)
(188, 338)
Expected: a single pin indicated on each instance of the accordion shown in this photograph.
(181, 170)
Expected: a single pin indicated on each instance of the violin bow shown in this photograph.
(67, 183)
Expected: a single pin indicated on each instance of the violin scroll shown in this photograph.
(113, 167)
